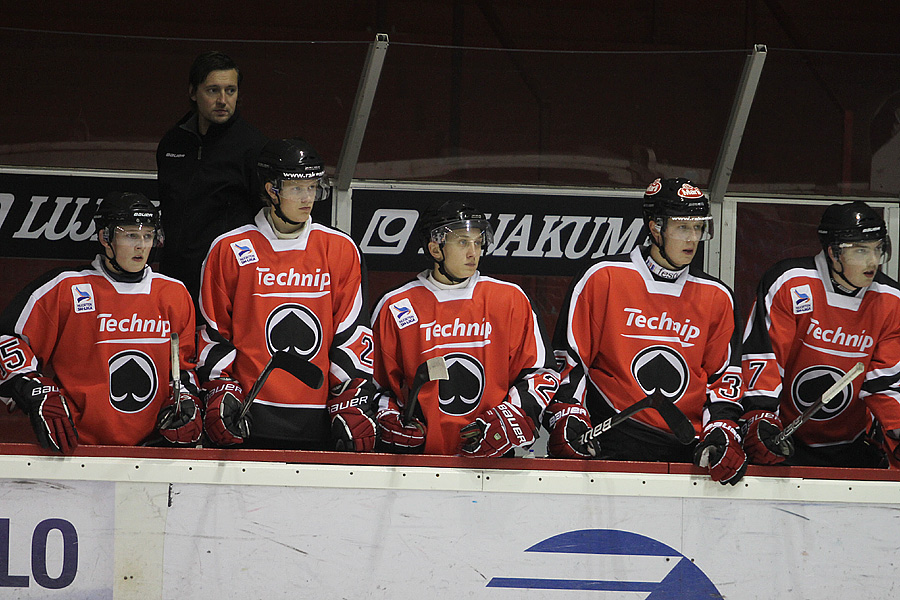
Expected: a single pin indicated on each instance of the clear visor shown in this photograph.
(463, 233)
(687, 229)
(865, 253)
(317, 189)
(136, 235)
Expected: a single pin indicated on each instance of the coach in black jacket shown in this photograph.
(206, 170)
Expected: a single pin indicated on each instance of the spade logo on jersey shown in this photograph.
(811, 383)
(461, 393)
(294, 329)
(661, 368)
(132, 381)
(591, 560)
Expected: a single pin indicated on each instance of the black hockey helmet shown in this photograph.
(676, 197)
(127, 208)
(451, 215)
(851, 222)
(288, 159)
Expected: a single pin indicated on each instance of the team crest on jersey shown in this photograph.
(801, 299)
(661, 369)
(296, 329)
(403, 313)
(133, 381)
(83, 295)
(244, 252)
(461, 393)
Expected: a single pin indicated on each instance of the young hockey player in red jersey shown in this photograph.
(499, 363)
(814, 318)
(287, 283)
(652, 322)
(86, 352)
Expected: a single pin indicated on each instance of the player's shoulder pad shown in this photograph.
(790, 267)
(40, 286)
(389, 295)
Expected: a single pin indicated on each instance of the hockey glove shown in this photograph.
(497, 431)
(181, 423)
(567, 424)
(760, 428)
(352, 429)
(41, 399)
(400, 438)
(721, 452)
(224, 400)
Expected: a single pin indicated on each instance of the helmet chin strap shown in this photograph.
(440, 263)
(849, 288)
(662, 252)
(280, 214)
(117, 272)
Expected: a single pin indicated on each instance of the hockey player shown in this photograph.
(85, 351)
(814, 318)
(499, 361)
(651, 321)
(287, 283)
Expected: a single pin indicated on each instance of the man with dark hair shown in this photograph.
(85, 352)
(647, 323)
(206, 167)
(499, 364)
(814, 318)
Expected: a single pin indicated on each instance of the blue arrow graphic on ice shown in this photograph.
(684, 582)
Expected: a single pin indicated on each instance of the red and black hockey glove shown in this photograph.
(720, 451)
(760, 427)
(567, 424)
(350, 407)
(46, 406)
(180, 420)
(497, 431)
(397, 436)
(224, 399)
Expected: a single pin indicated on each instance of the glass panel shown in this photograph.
(105, 101)
(823, 123)
(587, 118)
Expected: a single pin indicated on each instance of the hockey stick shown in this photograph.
(432, 369)
(829, 394)
(175, 369)
(308, 374)
(678, 423)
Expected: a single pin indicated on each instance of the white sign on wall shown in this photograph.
(57, 539)
(253, 542)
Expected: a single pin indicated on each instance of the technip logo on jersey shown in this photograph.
(135, 324)
(668, 574)
(244, 252)
(801, 299)
(856, 341)
(83, 294)
(403, 313)
(685, 331)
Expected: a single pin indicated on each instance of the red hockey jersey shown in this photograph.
(105, 342)
(490, 338)
(261, 294)
(803, 336)
(624, 334)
